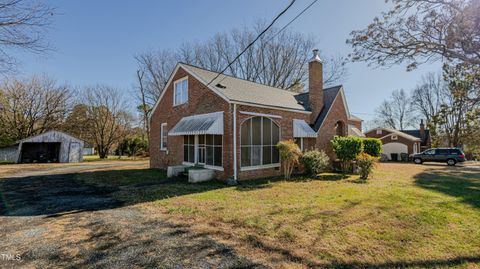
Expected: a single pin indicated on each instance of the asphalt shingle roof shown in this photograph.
(329, 96)
(416, 133)
(241, 90)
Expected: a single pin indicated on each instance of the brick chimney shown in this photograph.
(315, 85)
(422, 130)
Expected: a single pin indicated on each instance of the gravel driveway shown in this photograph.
(49, 219)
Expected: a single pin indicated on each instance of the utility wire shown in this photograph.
(281, 30)
(251, 43)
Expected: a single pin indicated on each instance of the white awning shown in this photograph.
(211, 123)
(302, 129)
(353, 131)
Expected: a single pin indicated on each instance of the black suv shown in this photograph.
(449, 155)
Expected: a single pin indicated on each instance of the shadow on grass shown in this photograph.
(453, 181)
(64, 194)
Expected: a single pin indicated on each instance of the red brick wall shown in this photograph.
(286, 132)
(357, 124)
(201, 100)
(328, 131)
(386, 140)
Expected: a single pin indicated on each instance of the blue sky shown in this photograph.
(95, 41)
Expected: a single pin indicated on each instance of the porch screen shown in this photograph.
(209, 149)
(259, 137)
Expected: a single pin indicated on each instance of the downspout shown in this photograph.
(235, 141)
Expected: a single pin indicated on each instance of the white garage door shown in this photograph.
(394, 148)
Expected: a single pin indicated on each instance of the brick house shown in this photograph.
(232, 125)
(404, 141)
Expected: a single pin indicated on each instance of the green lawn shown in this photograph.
(405, 216)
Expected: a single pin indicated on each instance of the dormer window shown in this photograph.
(180, 88)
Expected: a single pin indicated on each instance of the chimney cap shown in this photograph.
(316, 57)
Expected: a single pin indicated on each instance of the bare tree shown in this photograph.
(396, 112)
(428, 95)
(278, 59)
(107, 116)
(22, 26)
(144, 107)
(30, 107)
(419, 31)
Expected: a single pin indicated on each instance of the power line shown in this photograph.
(281, 30)
(251, 43)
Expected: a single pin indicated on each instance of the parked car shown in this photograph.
(449, 155)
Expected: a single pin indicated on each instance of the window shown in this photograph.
(259, 137)
(379, 131)
(442, 151)
(163, 136)
(415, 148)
(209, 149)
(394, 137)
(180, 92)
(189, 148)
(430, 152)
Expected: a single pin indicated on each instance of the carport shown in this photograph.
(49, 147)
(46, 152)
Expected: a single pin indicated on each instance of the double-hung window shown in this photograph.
(163, 136)
(180, 88)
(259, 137)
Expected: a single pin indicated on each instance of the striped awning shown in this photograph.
(211, 123)
(302, 129)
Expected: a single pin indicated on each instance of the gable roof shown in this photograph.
(329, 96)
(416, 133)
(236, 90)
(396, 132)
(30, 138)
(245, 91)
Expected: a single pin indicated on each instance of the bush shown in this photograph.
(289, 154)
(315, 162)
(365, 164)
(347, 149)
(372, 146)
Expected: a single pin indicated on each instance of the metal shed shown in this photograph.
(51, 146)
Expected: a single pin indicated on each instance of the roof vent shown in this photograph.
(220, 86)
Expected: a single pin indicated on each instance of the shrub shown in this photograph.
(372, 146)
(315, 162)
(289, 154)
(365, 164)
(346, 148)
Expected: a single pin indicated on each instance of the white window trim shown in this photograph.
(379, 131)
(196, 157)
(162, 126)
(174, 83)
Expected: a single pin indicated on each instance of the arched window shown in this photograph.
(258, 139)
(340, 128)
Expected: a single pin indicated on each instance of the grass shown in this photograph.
(405, 216)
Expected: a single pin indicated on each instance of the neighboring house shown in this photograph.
(88, 149)
(423, 134)
(232, 125)
(51, 146)
(396, 142)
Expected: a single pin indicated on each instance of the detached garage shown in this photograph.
(395, 143)
(49, 147)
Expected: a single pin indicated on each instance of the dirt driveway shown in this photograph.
(50, 219)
